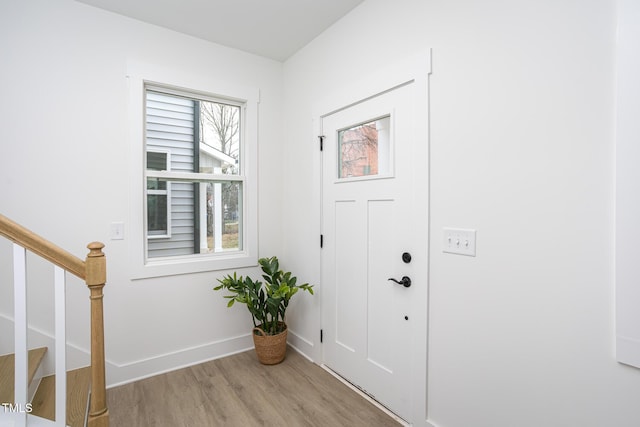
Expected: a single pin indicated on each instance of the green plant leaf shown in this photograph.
(266, 301)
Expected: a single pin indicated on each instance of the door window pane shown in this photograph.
(364, 149)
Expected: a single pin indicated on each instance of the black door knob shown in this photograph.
(406, 281)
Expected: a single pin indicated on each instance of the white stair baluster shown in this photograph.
(60, 346)
(20, 335)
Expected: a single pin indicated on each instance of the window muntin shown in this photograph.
(201, 184)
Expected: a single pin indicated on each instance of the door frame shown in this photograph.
(414, 70)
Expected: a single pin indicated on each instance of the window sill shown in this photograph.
(174, 266)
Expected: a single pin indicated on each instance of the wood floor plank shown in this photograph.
(7, 372)
(78, 383)
(7, 376)
(239, 391)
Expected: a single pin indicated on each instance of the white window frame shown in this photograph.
(139, 76)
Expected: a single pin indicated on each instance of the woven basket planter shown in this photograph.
(270, 349)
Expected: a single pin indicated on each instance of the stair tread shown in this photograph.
(7, 371)
(78, 383)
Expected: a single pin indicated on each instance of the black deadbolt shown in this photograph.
(406, 257)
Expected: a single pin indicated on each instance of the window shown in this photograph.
(194, 149)
(158, 196)
(364, 149)
(193, 173)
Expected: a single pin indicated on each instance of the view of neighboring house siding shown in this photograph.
(170, 127)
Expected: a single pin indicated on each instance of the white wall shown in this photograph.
(522, 149)
(64, 172)
(627, 184)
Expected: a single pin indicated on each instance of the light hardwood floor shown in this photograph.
(239, 391)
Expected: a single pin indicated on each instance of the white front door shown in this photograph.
(371, 242)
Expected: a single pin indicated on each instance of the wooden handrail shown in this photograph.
(94, 272)
(36, 244)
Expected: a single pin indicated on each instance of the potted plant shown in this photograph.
(267, 302)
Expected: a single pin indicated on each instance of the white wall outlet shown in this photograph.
(459, 241)
(117, 231)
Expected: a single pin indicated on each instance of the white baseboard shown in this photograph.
(124, 373)
(119, 373)
(301, 345)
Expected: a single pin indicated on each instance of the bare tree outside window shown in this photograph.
(359, 151)
(220, 129)
(365, 149)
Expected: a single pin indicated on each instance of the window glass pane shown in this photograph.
(364, 149)
(224, 225)
(156, 184)
(205, 217)
(219, 138)
(157, 214)
(156, 161)
(187, 134)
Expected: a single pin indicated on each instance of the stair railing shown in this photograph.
(93, 270)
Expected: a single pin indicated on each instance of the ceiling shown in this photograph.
(275, 29)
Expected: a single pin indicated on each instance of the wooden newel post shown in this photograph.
(96, 277)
